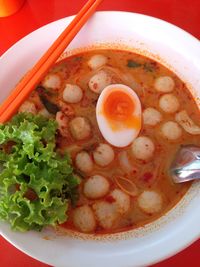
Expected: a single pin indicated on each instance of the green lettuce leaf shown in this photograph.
(36, 182)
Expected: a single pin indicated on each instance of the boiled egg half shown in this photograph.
(118, 113)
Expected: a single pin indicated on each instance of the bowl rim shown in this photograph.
(103, 12)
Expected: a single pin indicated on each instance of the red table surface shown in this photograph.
(36, 13)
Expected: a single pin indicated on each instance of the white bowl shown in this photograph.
(179, 227)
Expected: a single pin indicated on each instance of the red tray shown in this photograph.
(36, 13)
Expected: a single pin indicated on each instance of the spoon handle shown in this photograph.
(187, 165)
(187, 173)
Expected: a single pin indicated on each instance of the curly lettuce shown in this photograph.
(36, 182)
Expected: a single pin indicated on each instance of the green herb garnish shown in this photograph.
(51, 107)
(77, 58)
(36, 182)
(133, 64)
(150, 67)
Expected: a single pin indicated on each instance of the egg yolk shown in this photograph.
(118, 108)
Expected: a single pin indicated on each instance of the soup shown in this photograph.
(123, 185)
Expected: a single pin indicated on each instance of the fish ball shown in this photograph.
(72, 93)
(84, 219)
(169, 103)
(164, 84)
(122, 200)
(29, 107)
(96, 186)
(80, 128)
(97, 61)
(150, 201)
(143, 148)
(151, 116)
(106, 213)
(103, 155)
(99, 81)
(52, 81)
(171, 130)
(84, 162)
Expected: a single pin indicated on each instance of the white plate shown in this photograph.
(178, 228)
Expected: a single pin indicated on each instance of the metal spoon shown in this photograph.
(186, 165)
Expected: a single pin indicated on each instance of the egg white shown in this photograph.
(121, 137)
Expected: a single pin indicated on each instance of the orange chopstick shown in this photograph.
(33, 77)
